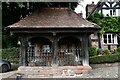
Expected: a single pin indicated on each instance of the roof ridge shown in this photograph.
(64, 8)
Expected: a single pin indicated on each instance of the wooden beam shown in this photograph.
(99, 41)
(21, 56)
(111, 8)
(85, 54)
(55, 50)
(23, 52)
(56, 30)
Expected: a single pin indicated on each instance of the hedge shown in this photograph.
(118, 50)
(10, 54)
(105, 58)
(107, 51)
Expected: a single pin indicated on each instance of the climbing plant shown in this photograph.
(108, 23)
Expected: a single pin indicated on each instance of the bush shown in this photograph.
(105, 58)
(92, 51)
(107, 51)
(11, 54)
(100, 51)
(118, 50)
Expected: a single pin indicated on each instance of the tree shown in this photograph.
(11, 13)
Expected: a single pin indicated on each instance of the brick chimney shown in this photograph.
(92, 2)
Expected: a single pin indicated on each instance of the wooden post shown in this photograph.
(99, 41)
(21, 55)
(23, 52)
(55, 49)
(118, 38)
(89, 42)
(85, 54)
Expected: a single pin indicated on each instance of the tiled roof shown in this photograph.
(53, 18)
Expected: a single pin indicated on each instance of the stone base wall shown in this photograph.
(113, 47)
(53, 71)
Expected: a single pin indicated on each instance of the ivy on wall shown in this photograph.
(108, 23)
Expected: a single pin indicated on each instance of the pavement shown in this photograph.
(107, 70)
(7, 74)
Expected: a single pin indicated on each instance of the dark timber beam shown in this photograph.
(99, 41)
(23, 52)
(55, 49)
(21, 55)
(112, 8)
(85, 54)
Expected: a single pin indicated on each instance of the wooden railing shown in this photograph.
(41, 59)
(64, 58)
(69, 57)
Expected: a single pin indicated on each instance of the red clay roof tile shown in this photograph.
(53, 18)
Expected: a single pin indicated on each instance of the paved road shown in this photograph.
(99, 71)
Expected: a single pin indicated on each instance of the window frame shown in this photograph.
(113, 39)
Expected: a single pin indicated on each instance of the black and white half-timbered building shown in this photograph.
(108, 8)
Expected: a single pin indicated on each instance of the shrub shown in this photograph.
(118, 50)
(107, 51)
(105, 58)
(11, 54)
(92, 51)
(99, 15)
(100, 51)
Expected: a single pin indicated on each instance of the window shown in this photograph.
(110, 39)
(114, 12)
(111, 12)
(46, 48)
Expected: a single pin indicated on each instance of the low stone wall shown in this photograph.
(113, 47)
(53, 71)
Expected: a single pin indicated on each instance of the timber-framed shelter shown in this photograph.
(54, 36)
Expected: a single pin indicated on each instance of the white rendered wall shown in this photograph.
(105, 12)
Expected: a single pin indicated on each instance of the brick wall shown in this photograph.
(94, 42)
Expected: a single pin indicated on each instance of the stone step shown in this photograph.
(54, 71)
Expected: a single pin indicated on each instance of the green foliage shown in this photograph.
(100, 51)
(118, 50)
(107, 51)
(105, 58)
(92, 51)
(9, 41)
(96, 18)
(11, 54)
(108, 24)
(99, 15)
